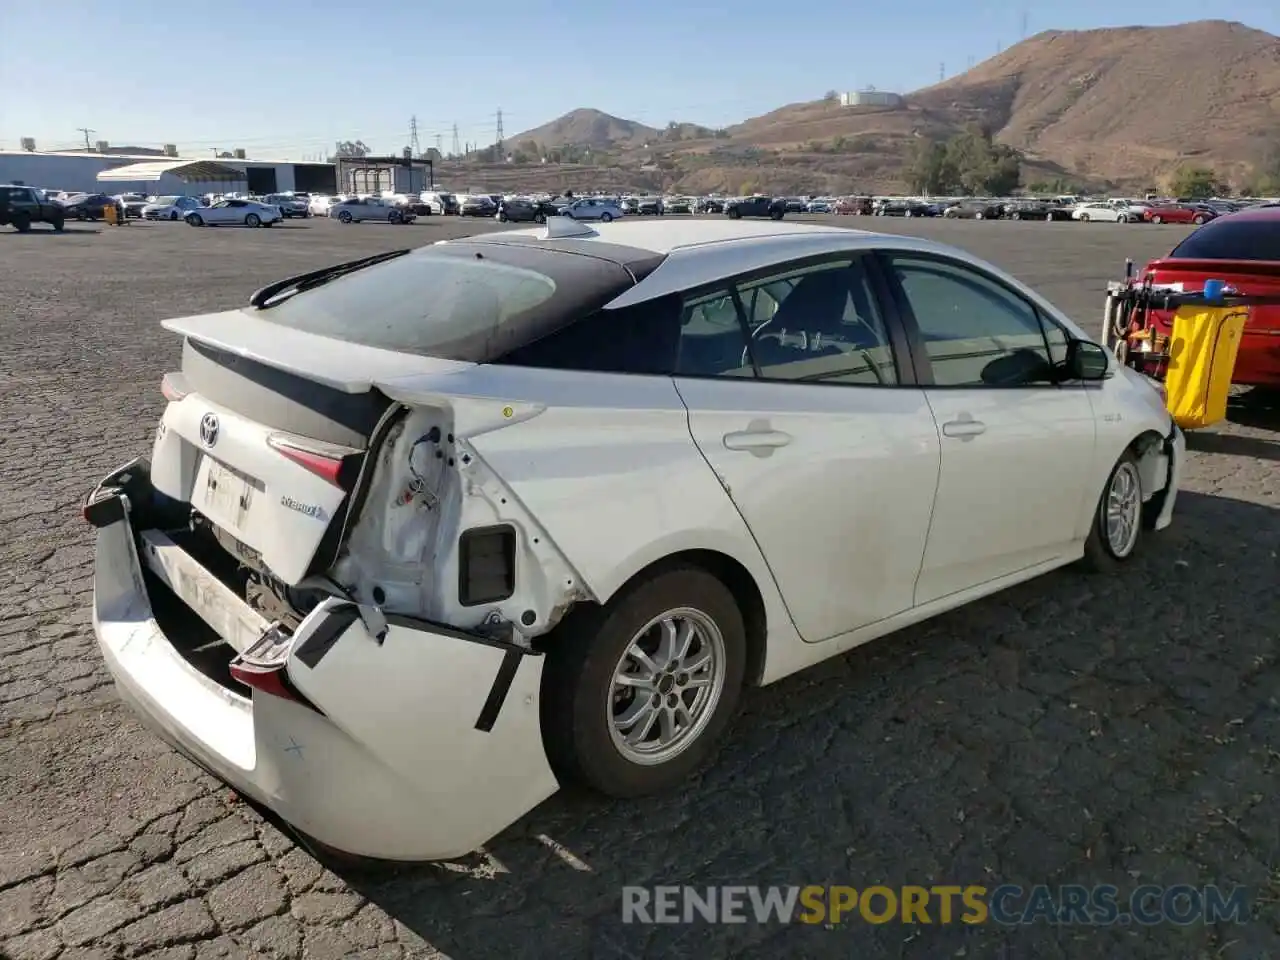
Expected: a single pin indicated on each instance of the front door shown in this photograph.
(1017, 447)
(794, 400)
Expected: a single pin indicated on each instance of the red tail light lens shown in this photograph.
(335, 465)
(268, 679)
(171, 388)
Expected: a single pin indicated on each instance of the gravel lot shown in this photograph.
(1070, 730)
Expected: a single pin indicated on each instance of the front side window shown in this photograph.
(974, 331)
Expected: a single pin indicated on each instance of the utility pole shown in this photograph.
(86, 131)
(1024, 24)
(942, 72)
(439, 141)
(497, 147)
(414, 144)
(457, 147)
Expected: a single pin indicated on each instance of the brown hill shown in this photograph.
(1127, 103)
(585, 127)
(1096, 107)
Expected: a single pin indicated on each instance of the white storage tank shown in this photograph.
(870, 97)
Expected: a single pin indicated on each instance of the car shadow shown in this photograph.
(38, 231)
(1044, 732)
(1256, 408)
(1234, 445)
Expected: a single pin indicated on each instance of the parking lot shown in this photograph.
(1072, 730)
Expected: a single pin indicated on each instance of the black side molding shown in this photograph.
(498, 692)
(322, 639)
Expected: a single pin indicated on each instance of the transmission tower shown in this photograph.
(1024, 24)
(439, 142)
(497, 147)
(414, 144)
(457, 147)
(86, 131)
(942, 72)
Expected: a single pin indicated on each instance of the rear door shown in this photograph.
(1017, 448)
(800, 404)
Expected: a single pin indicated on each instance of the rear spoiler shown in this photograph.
(1215, 268)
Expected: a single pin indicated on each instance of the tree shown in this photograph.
(831, 96)
(969, 163)
(530, 148)
(351, 148)
(1195, 183)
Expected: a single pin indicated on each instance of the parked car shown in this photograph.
(709, 205)
(854, 206)
(21, 206)
(1242, 249)
(757, 206)
(249, 213)
(594, 208)
(444, 204)
(170, 208)
(523, 210)
(1099, 213)
(897, 207)
(818, 206)
(319, 204)
(794, 204)
(479, 205)
(459, 620)
(1178, 213)
(973, 209)
(361, 209)
(87, 206)
(677, 205)
(651, 207)
(133, 204)
(290, 206)
(630, 205)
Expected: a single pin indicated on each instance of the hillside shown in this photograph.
(1120, 106)
(585, 127)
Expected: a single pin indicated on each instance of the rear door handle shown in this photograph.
(964, 429)
(760, 442)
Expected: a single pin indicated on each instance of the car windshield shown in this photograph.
(422, 304)
(1232, 238)
(167, 201)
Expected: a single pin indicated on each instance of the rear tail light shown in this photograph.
(338, 466)
(268, 679)
(172, 387)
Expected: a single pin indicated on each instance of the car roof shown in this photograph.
(663, 237)
(1253, 213)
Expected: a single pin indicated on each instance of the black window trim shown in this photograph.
(907, 373)
(920, 356)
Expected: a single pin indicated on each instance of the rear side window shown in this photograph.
(643, 338)
(1247, 238)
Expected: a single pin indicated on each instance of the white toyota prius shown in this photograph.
(424, 535)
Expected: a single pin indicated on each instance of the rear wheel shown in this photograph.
(1198, 220)
(1118, 521)
(1084, 218)
(636, 694)
(58, 224)
(173, 214)
(776, 214)
(394, 216)
(734, 213)
(1157, 219)
(195, 220)
(253, 220)
(21, 223)
(344, 216)
(606, 217)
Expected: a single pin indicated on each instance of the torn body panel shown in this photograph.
(428, 487)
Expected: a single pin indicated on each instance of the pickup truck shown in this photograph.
(21, 206)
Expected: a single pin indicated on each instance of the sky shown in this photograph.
(286, 79)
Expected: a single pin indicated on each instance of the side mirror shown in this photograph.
(1086, 361)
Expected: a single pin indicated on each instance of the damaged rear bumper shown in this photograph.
(420, 744)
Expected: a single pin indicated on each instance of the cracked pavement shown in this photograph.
(1071, 730)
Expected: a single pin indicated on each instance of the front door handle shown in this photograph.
(759, 442)
(964, 429)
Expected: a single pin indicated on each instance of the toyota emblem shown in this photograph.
(209, 429)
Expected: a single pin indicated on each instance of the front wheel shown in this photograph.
(1157, 219)
(606, 218)
(1116, 532)
(539, 217)
(1198, 221)
(734, 213)
(637, 694)
(344, 216)
(195, 220)
(776, 215)
(58, 224)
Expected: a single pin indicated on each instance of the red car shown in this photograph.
(1178, 213)
(1242, 249)
(856, 206)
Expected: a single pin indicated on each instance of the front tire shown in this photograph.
(1116, 533)
(637, 694)
(606, 217)
(173, 214)
(195, 220)
(344, 216)
(1157, 220)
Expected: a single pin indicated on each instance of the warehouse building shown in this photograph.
(162, 174)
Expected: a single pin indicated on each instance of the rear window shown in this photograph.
(425, 303)
(1246, 238)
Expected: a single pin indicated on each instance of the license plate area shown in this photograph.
(224, 494)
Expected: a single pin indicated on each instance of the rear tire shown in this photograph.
(344, 216)
(253, 220)
(584, 703)
(1198, 221)
(606, 217)
(22, 224)
(173, 214)
(195, 220)
(1157, 219)
(1115, 535)
(58, 224)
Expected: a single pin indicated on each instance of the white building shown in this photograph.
(870, 97)
(162, 175)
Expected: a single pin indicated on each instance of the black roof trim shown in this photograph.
(635, 260)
